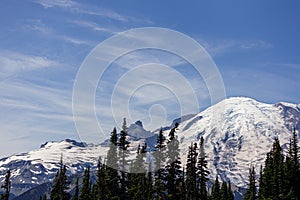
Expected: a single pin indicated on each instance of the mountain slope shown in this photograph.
(238, 132)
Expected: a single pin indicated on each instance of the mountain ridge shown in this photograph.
(238, 132)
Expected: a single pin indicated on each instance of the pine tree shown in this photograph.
(85, 193)
(250, 193)
(61, 184)
(191, 172)
(76, 193)
(137, 190)
(261, 184)
(160, 159)
(123, 165)
(224, 191)
(44, 197)
(230, 193)
(295, 181)
(202, 171)
(265, 180)
(272, 181)
(6, 186)
(99, 190)
(174, 174)
(149, 183)
(277, 176)
(215, 194)
(111, 171)
(291, 170)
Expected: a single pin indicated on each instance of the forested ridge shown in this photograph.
(121, 178)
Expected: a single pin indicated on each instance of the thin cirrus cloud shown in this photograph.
(95, 26)
(40, 27)
(14, 62)
(76, 7)
(219, 47)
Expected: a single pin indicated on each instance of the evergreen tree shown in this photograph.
(291, 170)
(261, 184)
(6, 186)
(230, 193)
(295, 180)
(215, 194)
(272, 181)
(44, 197)
(191, 172)
(149, 183)
(183, 187)
(277, 176)
(265, 180)
(111, 172)
(202, 171)
(224, 191)
(85, 193)
(250, 193)
(99, 190)
(174, 174)
(60, 185)
(123, 164)
(76, 193)
(160, 173)
(137, 190)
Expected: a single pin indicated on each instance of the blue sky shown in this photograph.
(255, 45)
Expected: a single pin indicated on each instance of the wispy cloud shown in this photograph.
(14, 62)
(94, 26)
(57, 3)
(76, 7)
(33, 109)
(217, 47)
(40, 27)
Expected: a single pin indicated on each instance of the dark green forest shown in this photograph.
(120, 178)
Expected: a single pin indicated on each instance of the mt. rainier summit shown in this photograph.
(238, 132)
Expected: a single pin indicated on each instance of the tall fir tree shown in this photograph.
(6, 186)
(230, 194)
(60, 186)
(138, 188)
(272, 181)
(250, 193)
(160, 172)
(191, 172)
(291, 170)
(76, 192)
(224, 191)
(123, 163)
(149, 183)
(99, 190)
(260, 184)
(174, 173)
(265, 180)
(44, 197)
(85, 193)
(295, 181)
(215, 194)
(111, 171)
(278, 173)
(202, 171)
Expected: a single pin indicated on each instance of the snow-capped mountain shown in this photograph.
(238, 132)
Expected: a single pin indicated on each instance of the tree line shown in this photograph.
(279, 179)
(120, 178)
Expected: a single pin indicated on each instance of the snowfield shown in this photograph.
(238, 133)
